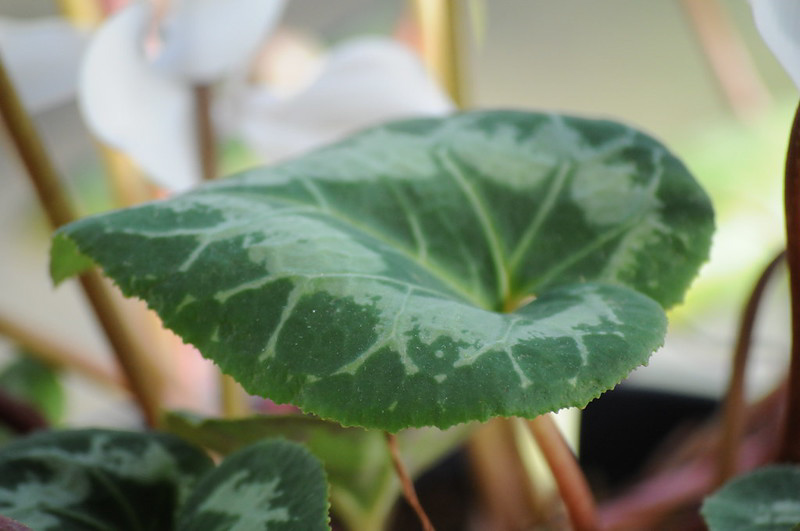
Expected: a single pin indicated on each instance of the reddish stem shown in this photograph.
(790, 446)
(733, 414)
(572, 484)
(408, 486)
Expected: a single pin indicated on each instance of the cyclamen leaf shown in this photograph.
(765, 500)
(270, 485)
(362, 480)
(365, 282)
(98, 479)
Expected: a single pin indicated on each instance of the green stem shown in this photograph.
(571, 482)
(790, 447)
(733, 415)
(54, 200)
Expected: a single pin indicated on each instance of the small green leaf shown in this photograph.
(97, 479)
(66, 260)
(765, 500)
(362, 480)
(369, 282)
(36, 383)
(270, 485)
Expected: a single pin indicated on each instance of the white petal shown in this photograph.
(203, 40)
(363, 83)
(133, 108)
(778, 21)
(42, 58)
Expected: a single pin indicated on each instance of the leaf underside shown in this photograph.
(372, 282)
(765, 500)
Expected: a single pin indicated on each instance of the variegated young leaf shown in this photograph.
(765, 500)
(97, 479)
(362, 480)
(381, 281)
(275, 485)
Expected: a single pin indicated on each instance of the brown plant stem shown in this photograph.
(733, 409)
(727, 56)
(408, 486)
(790, 446)
(571, 482)
(439, 24)
(53, 199)
(206, 141)
(57, 356)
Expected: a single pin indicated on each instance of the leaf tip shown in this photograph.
(66, 259)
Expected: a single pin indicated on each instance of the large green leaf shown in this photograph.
(765, 500)
(97, 479)
(367, 282)
(271, 485)
(363, 483)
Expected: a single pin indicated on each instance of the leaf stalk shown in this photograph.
(790, 445)
(55, 203)
(733, 413)
(409, 492)
(571, 482)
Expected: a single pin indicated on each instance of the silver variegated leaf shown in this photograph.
(98, 479)
(383, 281)
(274, 485)
(765, 500)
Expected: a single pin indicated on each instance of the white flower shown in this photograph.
(142, 102)
(42, 57)
(143, 105)
(361, 83)
(778, 21)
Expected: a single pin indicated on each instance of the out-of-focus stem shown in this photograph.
(82, 13)
(55, 355)
(790, 446)
(734, 412)
(439, 24)
(408, 485)
(727, 56)
(572, 484)
(206, 141)
(54, 200)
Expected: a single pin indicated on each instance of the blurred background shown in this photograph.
(693, 73)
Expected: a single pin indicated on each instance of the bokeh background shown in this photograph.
(693, 73)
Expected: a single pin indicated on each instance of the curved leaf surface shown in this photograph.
(271, 485)
(765, 500)
(370, 282)
(363, 483)
(97, 479)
